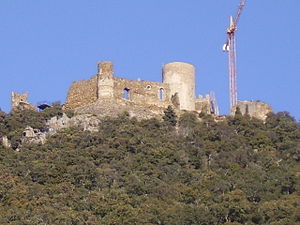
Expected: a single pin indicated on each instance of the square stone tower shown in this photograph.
(105, 80)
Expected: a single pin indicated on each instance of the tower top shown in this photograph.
(105, 69)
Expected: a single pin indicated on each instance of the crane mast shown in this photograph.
(230, 47)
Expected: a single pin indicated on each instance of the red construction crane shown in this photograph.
(230, 47)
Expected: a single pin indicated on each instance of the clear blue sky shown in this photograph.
(47, 44)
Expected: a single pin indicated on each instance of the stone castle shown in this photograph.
(104, 94)
(105, 91)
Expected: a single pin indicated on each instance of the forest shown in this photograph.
(177, 170)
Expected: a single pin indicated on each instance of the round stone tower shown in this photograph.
(181, 79)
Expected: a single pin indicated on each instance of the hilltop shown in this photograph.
(186, 169)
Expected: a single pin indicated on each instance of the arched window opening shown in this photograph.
(161, 94)
(126, 93)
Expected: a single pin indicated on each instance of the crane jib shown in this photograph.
(230, 47)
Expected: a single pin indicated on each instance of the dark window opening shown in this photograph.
(126, 93)
(161, 94)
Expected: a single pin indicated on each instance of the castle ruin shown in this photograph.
(257, 109)
(20, 102)
(104, 94)
(105, 91)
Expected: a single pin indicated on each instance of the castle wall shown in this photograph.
(203, 104)
(177, 89)
(20, 102)
(82, 93)
(105, 88)
(143, 92)
(255, 109)
(181, 79)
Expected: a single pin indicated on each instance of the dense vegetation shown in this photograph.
(237, 171)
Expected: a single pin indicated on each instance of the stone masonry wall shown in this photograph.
(105, 80)
(104, 90)
(181, 78)
(20, 102)
(82, 93)
(255, 109)
(143, 92)
(203, 104)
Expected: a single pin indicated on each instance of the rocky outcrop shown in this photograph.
(35, 136)
(5, 142)
(87, 122)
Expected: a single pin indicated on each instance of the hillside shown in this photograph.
(236, 171)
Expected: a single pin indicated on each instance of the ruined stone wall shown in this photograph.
(115, 107)
(82, 93)
(20, 102)
(16, 98)
(177, 89)
(255, 109)
(203, 104)
(142, 92)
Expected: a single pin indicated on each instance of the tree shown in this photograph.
(232, 172)
(170, 116)
(187, 122)
(238, 111)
